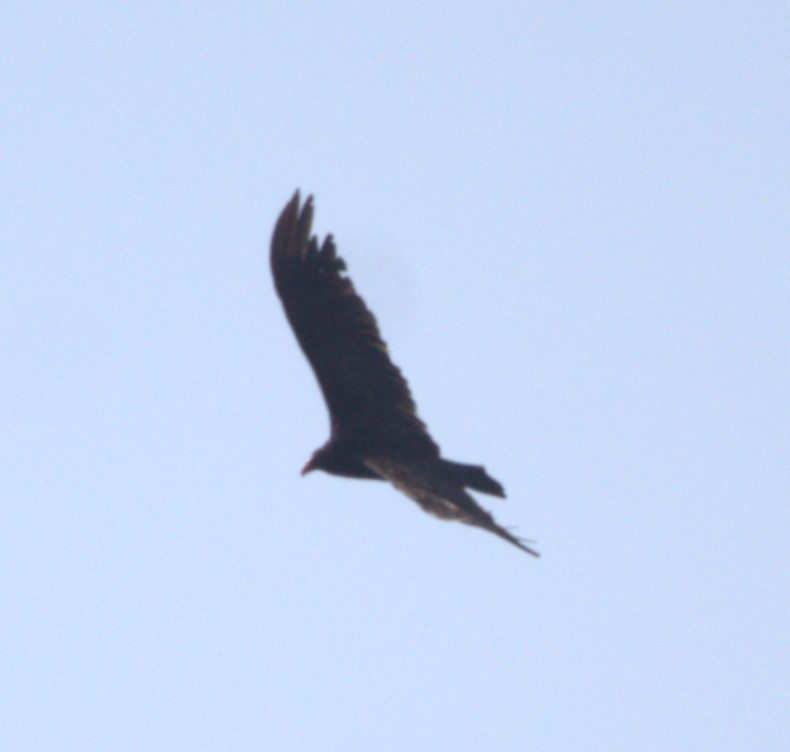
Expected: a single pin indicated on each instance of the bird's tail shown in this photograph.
(474, 476)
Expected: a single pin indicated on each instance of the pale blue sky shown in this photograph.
(571, 220)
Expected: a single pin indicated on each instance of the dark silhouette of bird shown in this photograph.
(375, 430)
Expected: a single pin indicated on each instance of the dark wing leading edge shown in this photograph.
(368, 399)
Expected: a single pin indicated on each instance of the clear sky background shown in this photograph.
(571, 220)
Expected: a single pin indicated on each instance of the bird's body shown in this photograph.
(375, 431)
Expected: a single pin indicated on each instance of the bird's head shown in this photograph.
(331, 458)
(316, 462)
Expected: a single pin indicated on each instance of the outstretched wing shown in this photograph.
(427, 483)
(368, 399)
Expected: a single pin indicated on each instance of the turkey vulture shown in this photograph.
(375, 431)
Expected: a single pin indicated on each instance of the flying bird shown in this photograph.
(375, 430)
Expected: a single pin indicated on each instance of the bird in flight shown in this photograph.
(375, 430)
